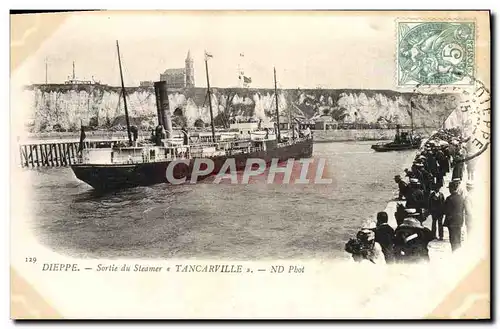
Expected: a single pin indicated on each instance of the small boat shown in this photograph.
(402, 141)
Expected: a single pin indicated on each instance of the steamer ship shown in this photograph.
(143, 163)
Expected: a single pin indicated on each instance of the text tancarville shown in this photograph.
(175, 268)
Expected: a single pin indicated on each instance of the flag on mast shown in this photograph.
(208, 55)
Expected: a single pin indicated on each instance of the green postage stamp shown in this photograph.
(435, 53)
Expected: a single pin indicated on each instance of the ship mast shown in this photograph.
(277, 111)
(209, 98)
(124, 95)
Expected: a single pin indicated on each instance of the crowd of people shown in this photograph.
(421, 197)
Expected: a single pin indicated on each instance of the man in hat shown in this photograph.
(426, 179)
(442, 160)
(441, 171)
(457, 182)
(436, 209)
(458, 165)
(415, 169)
(403, 187)
(422, 158)
(454, 216)
(432, 165)
(409, 173)
(468, 207)
(447, 153)
(411, 240)
(384, 235)
(364, 247)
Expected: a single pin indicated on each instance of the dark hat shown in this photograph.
(411, 212)
(365, 235)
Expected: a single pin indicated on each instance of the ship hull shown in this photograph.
(106, 177)
(394, 147)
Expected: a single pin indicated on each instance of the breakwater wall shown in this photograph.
(335, 135)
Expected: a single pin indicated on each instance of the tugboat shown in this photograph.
(147, 163)
(402, 141)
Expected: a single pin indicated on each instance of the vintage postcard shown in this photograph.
(250, 165)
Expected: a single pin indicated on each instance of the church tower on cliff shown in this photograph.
(189, 71)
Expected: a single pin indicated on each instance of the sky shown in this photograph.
(309, 50)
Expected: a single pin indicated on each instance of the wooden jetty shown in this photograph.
(64, 152)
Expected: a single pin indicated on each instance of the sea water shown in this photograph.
(197, 221)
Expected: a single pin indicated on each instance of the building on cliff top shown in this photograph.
(180, 78)
(72, 80)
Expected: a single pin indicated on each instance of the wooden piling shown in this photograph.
(75, 151)
(36, 156)
(25, 154)
(51, 154)
(63, 155)
(54, 152)
(30, 155)
(66, 154)
(60, 157)
(72, 152)
(46, 155)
